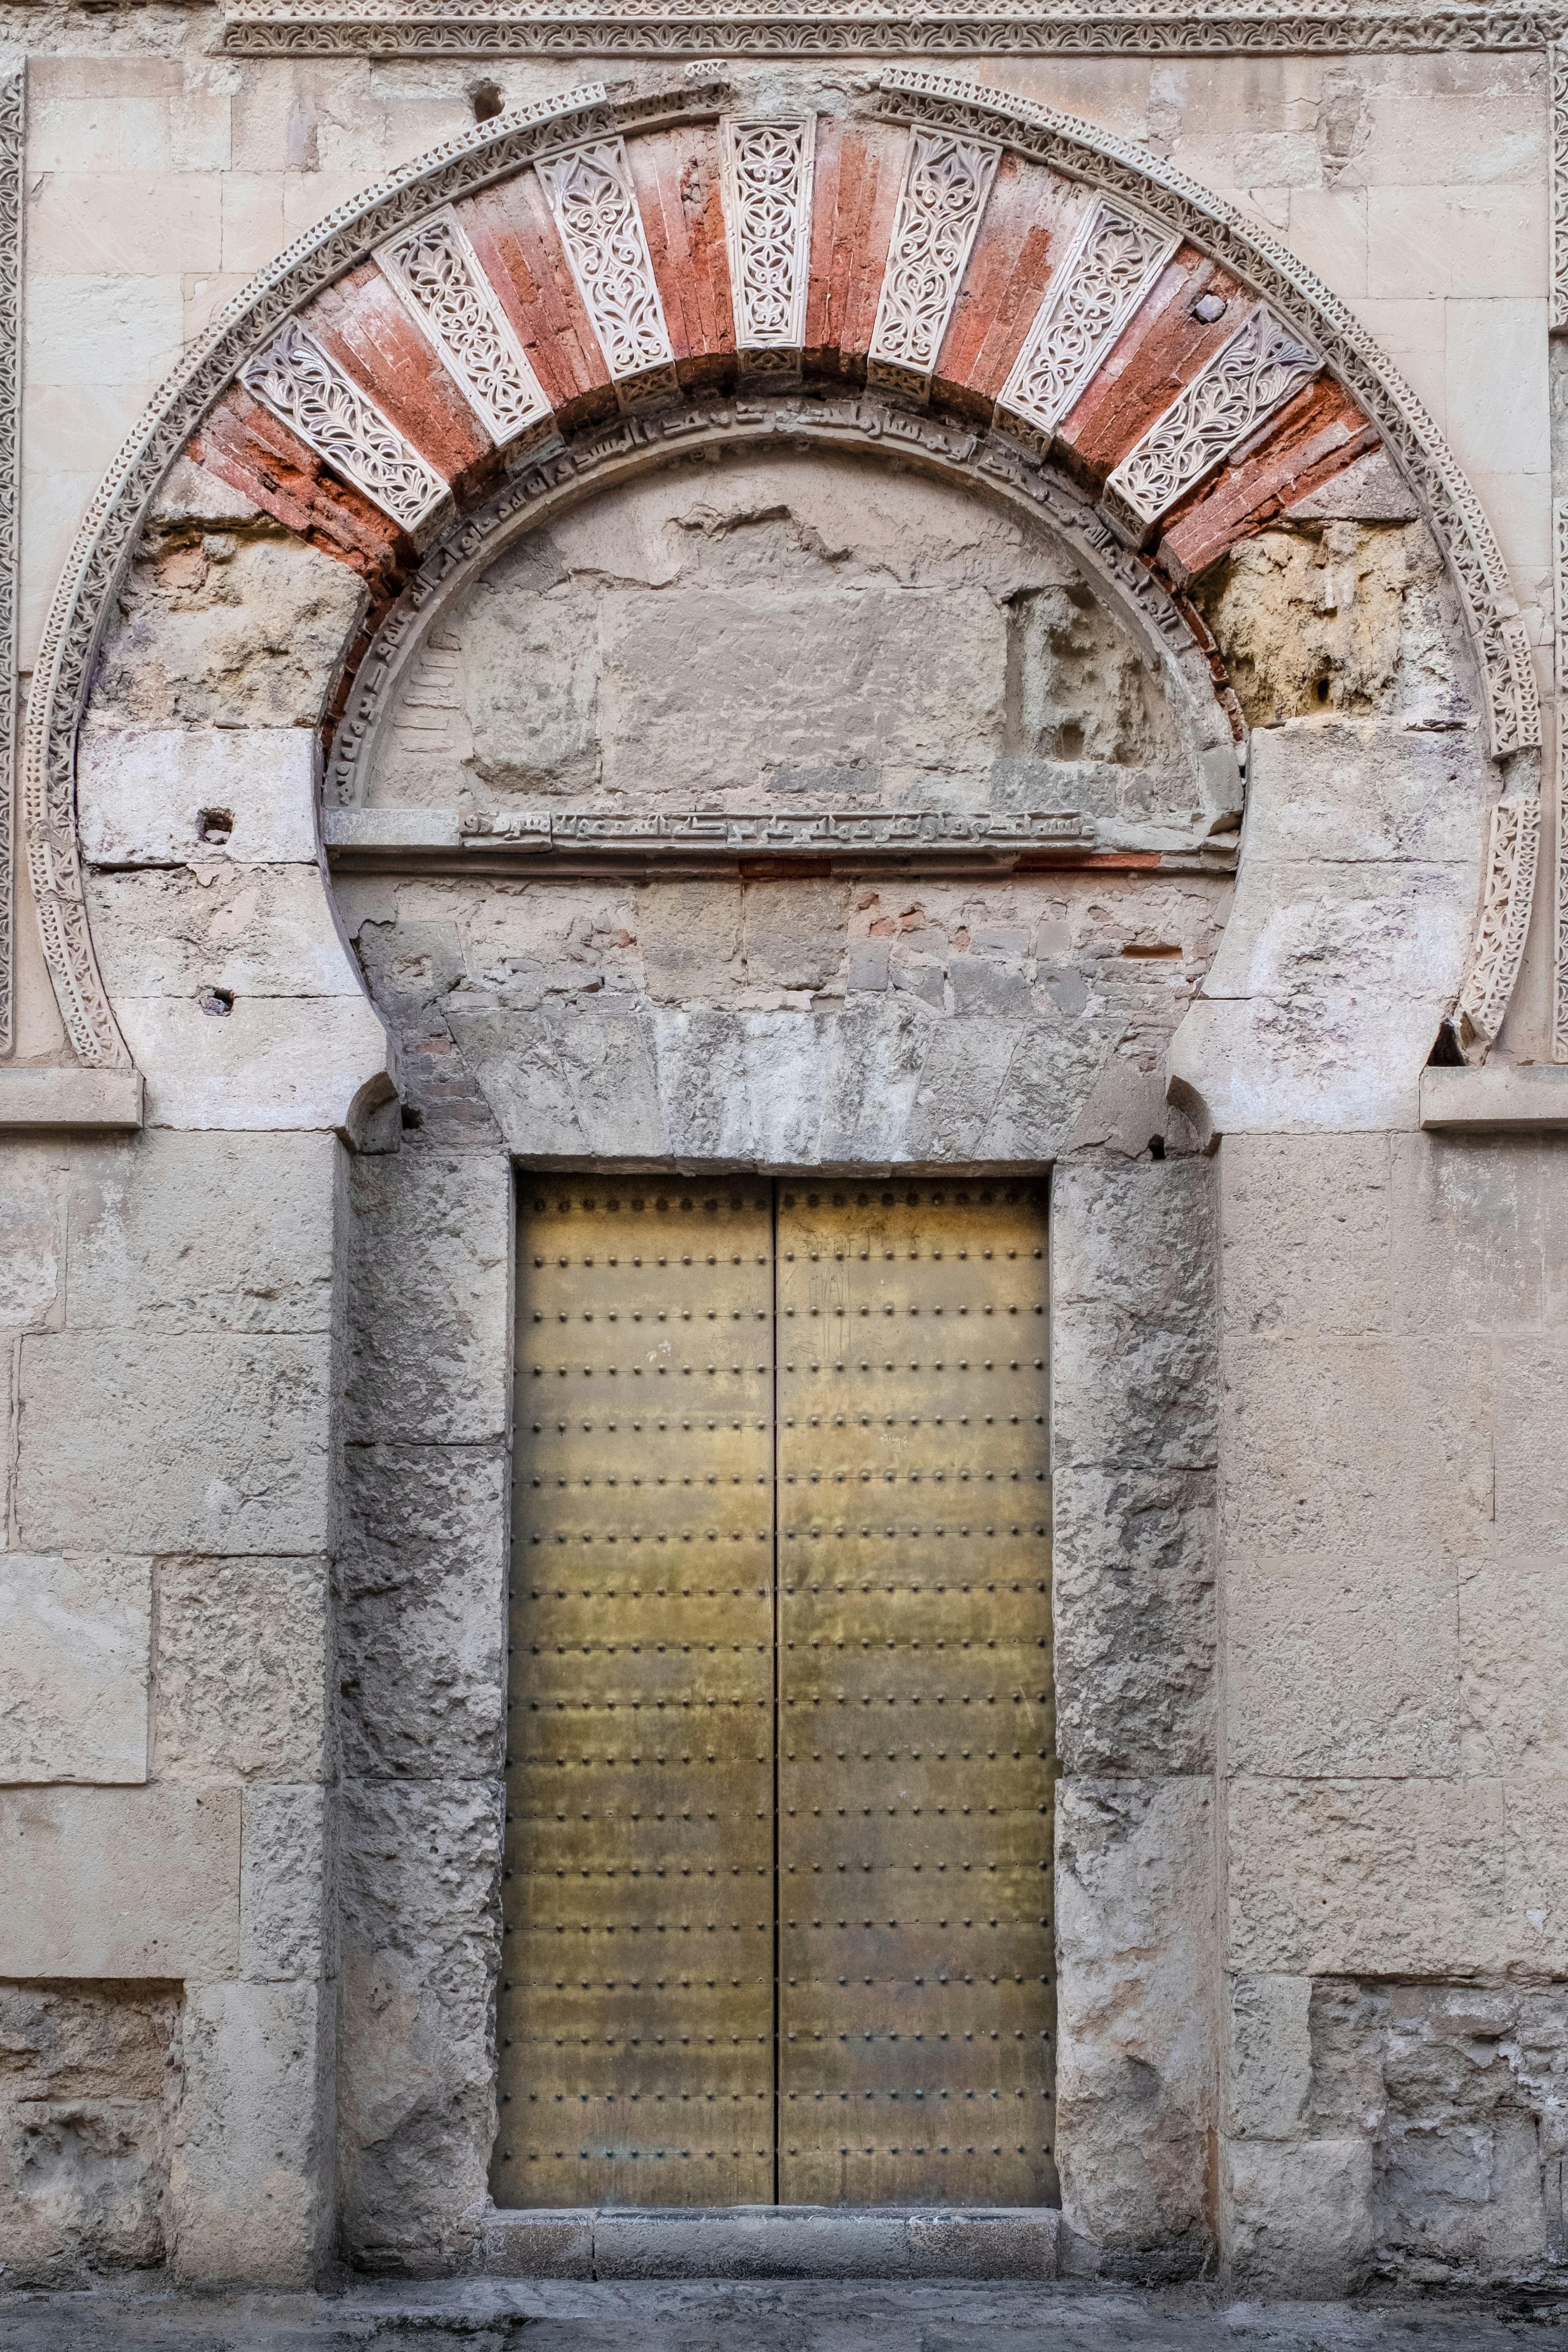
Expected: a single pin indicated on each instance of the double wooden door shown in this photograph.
(777, 1915)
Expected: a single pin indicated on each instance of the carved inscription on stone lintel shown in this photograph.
(886, 831)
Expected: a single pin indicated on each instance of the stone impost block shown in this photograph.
(74, 1638)
(1136, 2074)
(120, 1883)
(1342, 1666)
(430, 1322)
(137, 1442)
(191, 1232)
(41, 1098)
(242, 1670)
(1297, 2220)
(249, 2184)
(267, 1062)
(156, 795)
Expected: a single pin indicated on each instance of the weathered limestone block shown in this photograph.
(422, 1623)
(421, 1866)
(1366, 1877)
(1340, 615)
(1267, 2056)
(430, 1351)
(1298, 2217)
(265, 1062)
(184, 1443)
(89, 2082)
(1336, 1445)
(287, 1907)
(183, 1233)
(1305, 1235)
(1367, 792)
(879, 1081)
(243, 625)
(1131, 1266)
(256, 931)
(1342, 1666)
(1134, 1620)
(1480, 1231)
(75, 1636)
(76, 1867)
(143, 793)
(32, 1233)
(248, 2184)
(1514, 1657)
(242, 1667)
(1532, 1476)
(1136, 2064)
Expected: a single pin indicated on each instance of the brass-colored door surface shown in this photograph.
(635, 2016)
(781, 1734)
(916, 1731)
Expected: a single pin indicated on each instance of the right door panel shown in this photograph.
(915, 1728)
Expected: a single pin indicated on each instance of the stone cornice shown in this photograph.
(643, 30)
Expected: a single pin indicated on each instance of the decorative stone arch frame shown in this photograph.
(1328, 334)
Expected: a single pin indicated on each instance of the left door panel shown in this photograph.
(635, 2017)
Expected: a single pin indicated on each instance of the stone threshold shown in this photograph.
(868, 2242)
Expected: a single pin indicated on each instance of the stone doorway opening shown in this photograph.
(781, 1743)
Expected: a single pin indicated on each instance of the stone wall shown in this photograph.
(1307, 1357)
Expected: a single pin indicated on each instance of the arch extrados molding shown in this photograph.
(495, 150)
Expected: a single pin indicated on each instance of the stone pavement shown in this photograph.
(765, 2315)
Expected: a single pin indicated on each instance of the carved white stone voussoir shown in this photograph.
(1114, 257)
(1248, 379)
(590, 193)
(767, 224)
(439, 278)
(297, 380)
(946, 182)
(1499, 946)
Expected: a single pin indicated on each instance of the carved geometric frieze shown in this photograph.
(1113, 259)
(13, 142)
(300, 383)
(1499, 947)
(1249, 378)
(590, 192)
(1557, 62)
(438, 275)
(946, 182)
(767, 223)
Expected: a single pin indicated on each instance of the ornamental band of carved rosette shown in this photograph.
(1248, 379)
(1499, 939)
(767, 223)
(298, 381)
(1113, 261)
(437, 273)
(1557, 61)
(946, 182)
(590, 193)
